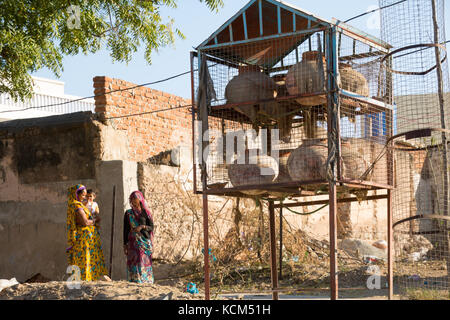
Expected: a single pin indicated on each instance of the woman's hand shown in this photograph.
(138, 229)
(125, 250)
(82, 220)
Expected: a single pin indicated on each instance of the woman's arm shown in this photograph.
(82, 220)
(149, 224)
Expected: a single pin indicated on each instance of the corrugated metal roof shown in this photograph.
(262, 21)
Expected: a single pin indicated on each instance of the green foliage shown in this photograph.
(37, 33)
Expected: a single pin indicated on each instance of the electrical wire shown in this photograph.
(148, 112)
(160, 81)
(99, 95)
(375, 10)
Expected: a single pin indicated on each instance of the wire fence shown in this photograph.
(416, 29)
(268, 118)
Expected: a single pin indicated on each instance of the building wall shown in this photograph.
(37, 165)
(47, 94)
(41, 158)
(147, 134)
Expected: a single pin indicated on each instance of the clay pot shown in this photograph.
(251, 172)
(308, 161)
(309, 76)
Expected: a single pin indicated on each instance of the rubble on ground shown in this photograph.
(362, 249)
(96, 290)
(412, 248)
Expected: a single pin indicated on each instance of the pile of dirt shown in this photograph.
(96, 290)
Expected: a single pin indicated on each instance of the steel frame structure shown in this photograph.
(298, 189)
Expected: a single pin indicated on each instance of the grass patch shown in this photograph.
(427, 294)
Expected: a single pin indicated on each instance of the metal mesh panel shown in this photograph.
(268, 114)
(409, 28)
(420, 226)
(421, 89)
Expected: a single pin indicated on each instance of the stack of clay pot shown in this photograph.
(253, 85)
(310, 75)
(309, 162)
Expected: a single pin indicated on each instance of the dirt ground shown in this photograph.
(97, 290)
(122, 290)
(299, 280)
(248, 277)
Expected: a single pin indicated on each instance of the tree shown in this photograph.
(37, 33)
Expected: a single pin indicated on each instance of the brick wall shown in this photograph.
(147, 134)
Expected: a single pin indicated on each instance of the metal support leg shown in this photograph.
(333, 242)
(206, 246)
(334, 153)
(273, 251)
(281, 245)
(390, 240)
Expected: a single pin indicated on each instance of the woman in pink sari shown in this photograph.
(138, 240)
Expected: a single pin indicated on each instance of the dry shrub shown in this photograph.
(238, 227)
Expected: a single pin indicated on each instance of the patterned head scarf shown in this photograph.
(73, 193)
(140, 196)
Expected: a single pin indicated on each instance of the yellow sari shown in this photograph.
(84, 246)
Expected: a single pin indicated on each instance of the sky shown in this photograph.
(197, 23)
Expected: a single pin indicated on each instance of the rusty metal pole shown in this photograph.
(206, 245)
(333, 114)
(204, 136)
(390, 271)
(446, 176)
(273, 251)
(391, 182)
(193, 113)
(333, 241)
(281, 244)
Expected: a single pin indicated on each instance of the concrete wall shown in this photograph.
(37, 164)
(122, 175)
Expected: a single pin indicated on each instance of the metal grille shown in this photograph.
(421, 93)
(278, 88)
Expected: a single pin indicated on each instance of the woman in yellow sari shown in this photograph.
(84, 247)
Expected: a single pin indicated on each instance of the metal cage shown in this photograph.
(281, 98)
(289, 105)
